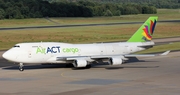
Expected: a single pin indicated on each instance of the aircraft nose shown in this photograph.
(8, 56)
(11, 55)
(5, 55)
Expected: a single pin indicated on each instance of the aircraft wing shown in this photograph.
(83, 61)
(92, 58)
(132, 55)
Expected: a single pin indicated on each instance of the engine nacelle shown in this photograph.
(115, 61)
(80, 63)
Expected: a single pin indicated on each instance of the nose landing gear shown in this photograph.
(21, 67)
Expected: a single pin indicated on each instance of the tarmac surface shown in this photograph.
(150, 76)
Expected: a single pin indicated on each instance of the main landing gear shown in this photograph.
(21, 67)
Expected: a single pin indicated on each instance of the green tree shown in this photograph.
(79, 8)
(98, 11)
(130, 10)
(117, 13)
(86, 3)
(145, 10)
(9, 13)
(149, 10)
(2, 14)
(17, 14)
(152, 10)
(108, 13)
(25, 11)
(2, 4)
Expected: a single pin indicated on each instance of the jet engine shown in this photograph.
(80, 63)
(115, 61)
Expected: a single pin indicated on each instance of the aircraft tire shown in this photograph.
(88, 66)
(21, 69)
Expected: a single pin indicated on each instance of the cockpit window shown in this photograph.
(17, 46)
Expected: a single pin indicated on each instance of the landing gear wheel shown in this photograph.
(88, 66)
(21, 67)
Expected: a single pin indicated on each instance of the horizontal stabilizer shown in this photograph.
(166, 53)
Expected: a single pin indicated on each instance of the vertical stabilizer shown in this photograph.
(145, 32)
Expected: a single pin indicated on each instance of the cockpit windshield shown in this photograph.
(16, 46)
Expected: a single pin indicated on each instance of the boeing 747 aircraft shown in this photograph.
(83, 55)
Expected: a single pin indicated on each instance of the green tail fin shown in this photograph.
(145, 32)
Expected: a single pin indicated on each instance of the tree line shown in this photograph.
(19, 9)
(171, 4)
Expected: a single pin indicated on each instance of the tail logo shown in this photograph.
(148, 30)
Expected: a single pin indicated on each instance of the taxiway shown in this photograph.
(151, 76)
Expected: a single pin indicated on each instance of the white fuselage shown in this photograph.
(47, 52)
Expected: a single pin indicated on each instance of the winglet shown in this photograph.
(165, 53)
